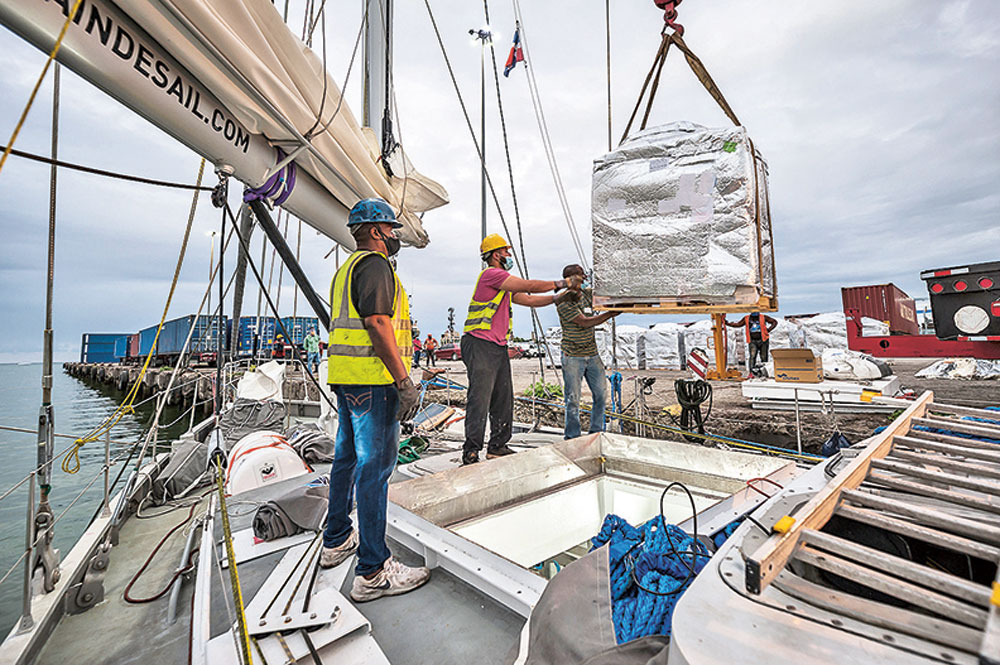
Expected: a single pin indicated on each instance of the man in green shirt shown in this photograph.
(311, 344)
(580, 359)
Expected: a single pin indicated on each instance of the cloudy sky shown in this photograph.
(878, 121)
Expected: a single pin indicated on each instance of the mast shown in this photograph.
(378, 73)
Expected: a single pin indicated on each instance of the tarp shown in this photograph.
(251, 37)
(961, 368)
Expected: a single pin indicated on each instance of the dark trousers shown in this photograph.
(491, 392)
(758, 347)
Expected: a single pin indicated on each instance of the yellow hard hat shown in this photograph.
(491, 242)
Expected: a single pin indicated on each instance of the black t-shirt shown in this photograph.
(373, 287)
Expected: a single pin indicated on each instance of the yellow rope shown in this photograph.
(234, 577)
(71, 462)
(38, 83)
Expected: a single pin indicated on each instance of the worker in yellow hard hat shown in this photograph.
(484, 345)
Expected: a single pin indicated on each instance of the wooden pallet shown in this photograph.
(763, 304)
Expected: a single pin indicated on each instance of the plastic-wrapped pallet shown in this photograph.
(680, 215)
(661, 347)
(627, 339)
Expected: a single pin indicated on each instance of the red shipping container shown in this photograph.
(133, 345)
(883, 302)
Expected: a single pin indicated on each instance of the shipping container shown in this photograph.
(297, 326)
(883, 302)
(965, 301)
(204, 340)
(255, 336)
(99, 347)
(121, 348)
(133, 346)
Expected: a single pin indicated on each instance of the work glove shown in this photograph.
(409, 396)
(564, 296)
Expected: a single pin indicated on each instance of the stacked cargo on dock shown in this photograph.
(100, 347)
(204, 339)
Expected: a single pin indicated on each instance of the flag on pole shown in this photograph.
(516, 54)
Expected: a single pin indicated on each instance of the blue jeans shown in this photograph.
(574, 370)
(312, 359)
(366, 451)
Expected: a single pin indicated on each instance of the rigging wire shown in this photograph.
(38, 84)
(71, 463)
(546, 139)
(536, 324)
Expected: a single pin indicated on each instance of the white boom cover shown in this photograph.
(680, 213)
(252, 37)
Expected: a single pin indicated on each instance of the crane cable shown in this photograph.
(71, 462)
(543, 129)
(38, 83)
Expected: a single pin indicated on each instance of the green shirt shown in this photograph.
(311, 342)
(577, 341)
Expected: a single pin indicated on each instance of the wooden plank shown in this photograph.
(763, 304)
(770, 557)
(954, 410)
(951, 463)
(956, 440)
(892, 586)
(946, 583)
(874, 613)
(955, 480)
(924, 489)
(963, 426)
(938, 518)
(943, 539)
(924, 444)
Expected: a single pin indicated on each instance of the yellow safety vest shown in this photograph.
(481, 313)
(351, 356)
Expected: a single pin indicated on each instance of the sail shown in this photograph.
(266, 77)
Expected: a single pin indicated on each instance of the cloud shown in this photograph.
(877, 121)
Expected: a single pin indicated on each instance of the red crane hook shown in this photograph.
(669, 8)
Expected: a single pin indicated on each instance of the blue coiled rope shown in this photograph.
(650, 566)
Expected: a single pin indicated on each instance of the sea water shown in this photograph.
(79, 408)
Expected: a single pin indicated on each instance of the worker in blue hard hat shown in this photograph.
(369, 372)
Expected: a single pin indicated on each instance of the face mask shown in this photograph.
(585, 284)
(507, 263)
(391, 244)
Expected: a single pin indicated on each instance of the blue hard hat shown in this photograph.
(372, 211)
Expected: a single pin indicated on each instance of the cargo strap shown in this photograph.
(694, 63)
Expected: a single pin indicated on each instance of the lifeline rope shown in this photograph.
(106, 174)
(71, 462)
(38, 83)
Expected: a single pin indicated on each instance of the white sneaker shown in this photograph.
(394, 579)
(334, 556)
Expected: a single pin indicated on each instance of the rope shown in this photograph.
(234, 577)
(691, 394)
(650, 567)
(38, 83)
(188, 567)
(546, 140)
(71, 462)
(107, 174)
(697, 67)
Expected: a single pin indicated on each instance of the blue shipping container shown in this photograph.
(100, 347)
(175, 333)
(121, 348)
(264, 332)
(298, 326)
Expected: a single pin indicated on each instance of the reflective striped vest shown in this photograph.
(764, 333)
(352, 359)
(481, 313)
